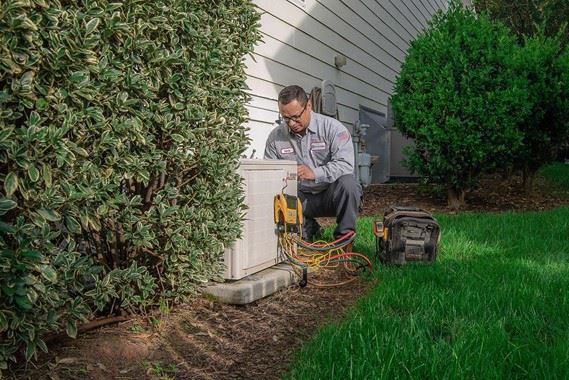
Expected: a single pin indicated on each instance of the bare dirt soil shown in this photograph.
(205, 339)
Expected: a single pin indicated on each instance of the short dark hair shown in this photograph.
(294, 92)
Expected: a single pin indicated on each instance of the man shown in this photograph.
(323, 149)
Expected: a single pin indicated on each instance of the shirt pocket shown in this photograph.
(319, 152)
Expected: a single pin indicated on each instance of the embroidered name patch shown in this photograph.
(318, 145)
(287, 150)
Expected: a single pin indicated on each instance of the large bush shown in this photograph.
(562, 66)
(546, 127)
(121, 125)
(459, 97)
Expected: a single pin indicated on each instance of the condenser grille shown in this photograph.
(257, 249)
(259, 227)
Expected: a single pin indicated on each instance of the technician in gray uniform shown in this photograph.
(323, 149)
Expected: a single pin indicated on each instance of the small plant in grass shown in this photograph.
(459, 97)
(158, 316)
(136, 328)
(160, 371)
(164, 307)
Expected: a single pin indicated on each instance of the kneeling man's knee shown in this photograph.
(347, 183)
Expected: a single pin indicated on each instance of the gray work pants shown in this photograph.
(342, 199)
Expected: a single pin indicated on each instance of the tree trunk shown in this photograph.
(529, 176)
(455, 198)
(507, 172)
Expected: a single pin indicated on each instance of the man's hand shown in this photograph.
(304, 172)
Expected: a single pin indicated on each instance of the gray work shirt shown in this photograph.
(326, 148)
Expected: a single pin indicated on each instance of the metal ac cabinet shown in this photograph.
(257, 249)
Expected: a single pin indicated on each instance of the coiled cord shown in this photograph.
(318, 256)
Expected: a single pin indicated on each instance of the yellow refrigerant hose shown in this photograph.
(314, 257)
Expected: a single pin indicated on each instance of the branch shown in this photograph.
(152, 253)
(91, 325)
(150, 190)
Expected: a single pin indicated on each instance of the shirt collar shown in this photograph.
(312, 127)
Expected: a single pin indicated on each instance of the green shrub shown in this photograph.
(121, 125)
(546, 127)
(459, 97)
(562, 67)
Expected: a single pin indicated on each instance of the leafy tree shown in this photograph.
(527, 17)
(546, 127)
(562, 67)
(459, 98)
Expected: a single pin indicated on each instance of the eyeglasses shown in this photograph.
(295, 118)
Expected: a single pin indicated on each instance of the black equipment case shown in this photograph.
(406, 234)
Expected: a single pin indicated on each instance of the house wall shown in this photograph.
(301, 39)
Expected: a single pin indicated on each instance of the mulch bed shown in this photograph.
(205, 339)
(493, 194)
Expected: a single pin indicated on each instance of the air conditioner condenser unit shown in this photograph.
(257, 248)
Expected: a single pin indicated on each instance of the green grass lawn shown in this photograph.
(495, 305)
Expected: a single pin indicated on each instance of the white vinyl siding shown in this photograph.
(301, 39)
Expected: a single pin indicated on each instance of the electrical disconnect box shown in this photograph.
(257, 248)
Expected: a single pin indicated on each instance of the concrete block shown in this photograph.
(255, 286)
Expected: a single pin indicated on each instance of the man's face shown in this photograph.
(296, 116)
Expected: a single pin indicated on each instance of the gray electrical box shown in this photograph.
(378, 143)
(398, 144)
(329, 106)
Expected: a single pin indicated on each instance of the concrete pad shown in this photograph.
(255, 286)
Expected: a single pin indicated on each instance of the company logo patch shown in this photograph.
(287, 150)
(343, 136)
(317, 145)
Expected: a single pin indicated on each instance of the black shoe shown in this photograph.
(311, 230)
